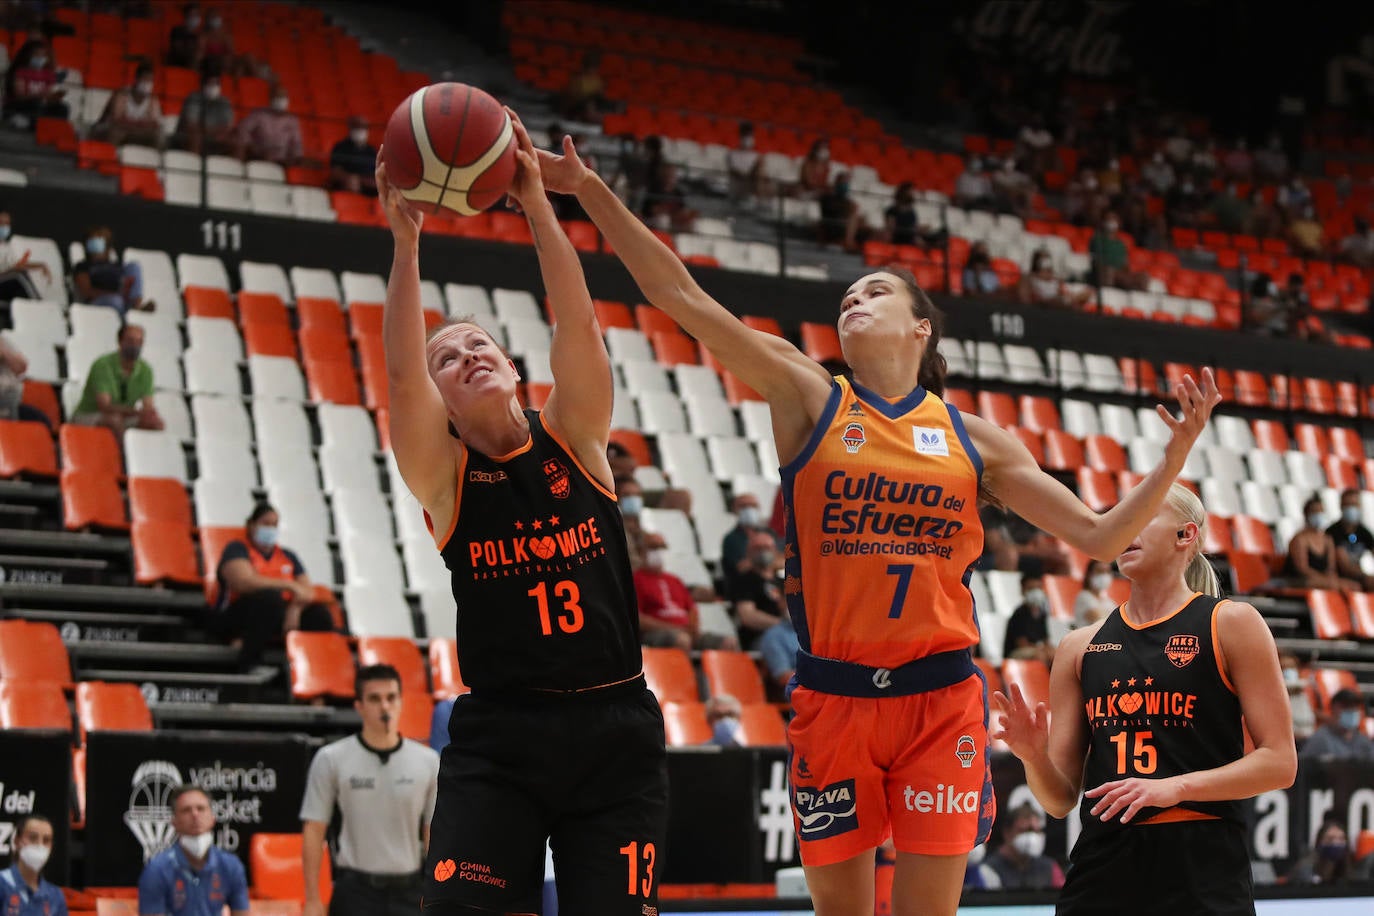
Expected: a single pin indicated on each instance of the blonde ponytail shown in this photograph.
(1199, 574)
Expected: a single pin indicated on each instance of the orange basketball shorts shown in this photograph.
(915, 767)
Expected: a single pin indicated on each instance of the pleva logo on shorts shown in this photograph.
(944, 800)
(826, 812)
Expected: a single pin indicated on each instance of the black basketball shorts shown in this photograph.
(590, 774)
(1201, 868)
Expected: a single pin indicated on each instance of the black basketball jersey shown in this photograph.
(541, 573)
(1157, 706)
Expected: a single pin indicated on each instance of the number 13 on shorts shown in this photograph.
(641, 868)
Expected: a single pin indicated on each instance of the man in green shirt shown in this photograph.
(119, 388)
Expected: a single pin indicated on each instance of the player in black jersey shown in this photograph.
(559, 740)
(1148, 709)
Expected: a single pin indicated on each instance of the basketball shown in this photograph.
(450, 148)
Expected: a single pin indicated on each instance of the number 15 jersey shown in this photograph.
(540, 572)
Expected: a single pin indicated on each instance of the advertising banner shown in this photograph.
(35, 778)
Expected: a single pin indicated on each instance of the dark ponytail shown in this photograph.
(933, 369)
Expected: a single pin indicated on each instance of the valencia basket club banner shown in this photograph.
(255, 784)
(35, 778)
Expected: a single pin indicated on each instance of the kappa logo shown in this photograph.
(1103, 647)
(853, 438)
(930, 441)
(964, 750)
(1182, 649)
(560, 484)
(826, 812)
(487, 476)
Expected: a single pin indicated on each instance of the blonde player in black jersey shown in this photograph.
(559, 739)
(1148, 709)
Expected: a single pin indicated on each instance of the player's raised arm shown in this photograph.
(579, 407)
(417, 410)
(770, 365)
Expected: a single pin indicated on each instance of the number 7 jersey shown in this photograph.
(540, 572)
(883, 529)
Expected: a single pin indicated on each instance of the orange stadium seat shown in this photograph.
(324, 342)
(1330, 681)
(78, 783)
(102, 707)
(1031, 675)
(673, 348)
(1063, 593)
(1063, 452)
(1312, 438)
(26, 449)
(1251, 388)
(821, 342)
(269, 339)
(274, 861)
(1097, 489)
(1330, 614)
(1251, 535)
(443, 669)
(213, 540)
(584, 237)
(1248, 571)
(1348, 399)
(401, 654)
(331, 382)
(1318, 395)
(1032, 441)
(24, 704)
(733, 673)
(315, 312)
(417, 713)
(1270, 435)
(991, 674)
(766, 324)
(761, 725)
(92, 500)
(321, 665)
(42, 396)
(262, 308)
(1038, 413)
(93, 449)
(1103, 453)
(961, 399)
(1340, 473)
(685, 724)
(1347, 444)
(1219, 535)
(537, 394)
(737, 391)
(365, 320)
(163, 553)
(651, 320)
(670, 676)
(1362, 614)
(33, 653)
(208, 302)
(160, 499)
(613, 314)
(998, 408)
(634, 443)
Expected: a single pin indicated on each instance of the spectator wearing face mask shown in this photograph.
(133, 114)
(206, 124)
(668, 615)
(1041, 286)
(973, 188)
(1299, 702)
(1313, 559)
(119, 388)
(264, 591)
(1110, 258)
(22, 884)
(102, 280)
(1228, 210)
(1238, 163)
(723, 713)
(841, 219)
(13, 365)
(1094, 602)
(183, 44)
(813, 178)
(272, 133)
(1020, 862)
(1306, 234)
(1158, 174)
(759, 607)
(33, 87)
(217, 46)
(1349, 531)
(980, 278)
(630, 497)
(1331, 860)
(16, 265)
(193, 876)
(353, 161)
(1263, 219)
(1340, 738)
(734, 547)
(623, 466)
(748, 183)
(1028, 634)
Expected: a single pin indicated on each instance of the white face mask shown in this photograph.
(1100, 582)
(144, 87)
(1292, 676)
(750, 516)
(197, 846)
(281, 103)
(358, 136)
(35, 856)
(653, 559)
(1350, 515)
(1037, 598)
(211, 91)
(1030, 844)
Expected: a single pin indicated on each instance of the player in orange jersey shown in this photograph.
(881, 479)
(1147, 708)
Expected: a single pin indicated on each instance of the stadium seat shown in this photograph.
(321, 665)
(268, 339)
(821, 342)
(1031, 675)
(761, 725)
(163, 553)
(377, 608)
(1248, 571)
(1103, 453)
(672, 348)
(1270, 436)
(1063, 593)
(1251, 535)
(159, 499)
(1330, 614)
(274, 861)
(1097, 489)
(443, 669)
(733, 673)
(33, 653)
(1347, 444)
(1362, 614)
(25, 704)
(331, 381)
(1330, 681)
(26, 450)
(670, 676)
(1038, 413)
(1063, 452)
(153, 453)
(111, 707)
(91, 499)
(685, 724)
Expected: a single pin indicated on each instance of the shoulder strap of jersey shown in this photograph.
(566, 447)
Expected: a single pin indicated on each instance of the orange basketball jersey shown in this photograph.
(883, 529)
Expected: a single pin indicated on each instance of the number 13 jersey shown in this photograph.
(540, 572)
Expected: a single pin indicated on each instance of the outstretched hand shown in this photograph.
(1196, 407)
(403, 217)
(1025, 731)
(528, 185)
(564, 174)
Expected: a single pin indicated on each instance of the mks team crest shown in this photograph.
(560, 485)
(1181, 650)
